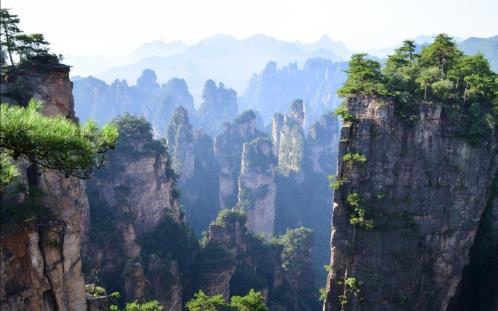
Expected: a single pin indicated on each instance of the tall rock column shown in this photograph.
(40, 262)
(257, 187)
(407, 208)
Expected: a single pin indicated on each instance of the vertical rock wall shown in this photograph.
(40, 262)
(423, 190)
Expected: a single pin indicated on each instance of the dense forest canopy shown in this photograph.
(439, 73)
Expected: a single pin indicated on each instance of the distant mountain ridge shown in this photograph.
(221, 58)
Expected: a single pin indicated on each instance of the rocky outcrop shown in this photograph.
(181, 144)
(131, 197)
(228, 151)
(273, 89)
(219, 105)
(40, 260)
(406, 214)
(478, 288)
(322, 142)
(257, 186)
(101, 102)
(233, 261)
(290, 140)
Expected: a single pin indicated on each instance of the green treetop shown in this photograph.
(364, 77)
(253, 301)
(26, 48)
(52, 142)
(466, 85)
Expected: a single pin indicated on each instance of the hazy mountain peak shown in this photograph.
(158, 48)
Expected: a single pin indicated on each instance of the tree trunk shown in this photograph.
(8, 47)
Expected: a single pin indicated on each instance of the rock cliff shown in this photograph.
(131, 200)
(228, 151)
(233, 261)
(407, 208)
(257, 186)
(40, 259)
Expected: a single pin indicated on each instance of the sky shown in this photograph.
(116, 27)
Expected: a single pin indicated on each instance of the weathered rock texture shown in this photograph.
(219, 105)
(130, 198)
(233, 261)
(40, 261)
(291, 140)
(273, 89)
(181, 144)
(101, 102)
(478, 289)
(425, 190)
(257, 186)
(228, 151)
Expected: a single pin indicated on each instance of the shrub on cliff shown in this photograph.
(52, 142)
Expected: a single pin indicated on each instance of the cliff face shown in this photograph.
(101, 101)
(273, 89)
(181, 144)
(131, 198)
(290, 139)
(233, 261)
(193, 160)
(40, 261)
(219, 105)
(257, 186)
(228, 151)
(405, 216)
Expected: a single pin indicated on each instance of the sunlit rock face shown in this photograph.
(40, 261)
(425, 189)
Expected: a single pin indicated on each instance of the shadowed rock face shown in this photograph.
(40, 263)
(132, 196)
(228, 151)
(257, 187)
(219, 105)
(425, 189)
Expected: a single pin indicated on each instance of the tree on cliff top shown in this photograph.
(29, 48)
(52, 142)
(364, 77)
(441, 73)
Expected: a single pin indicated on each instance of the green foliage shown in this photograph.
(180, 240)
(350, 158)
(228, 217)
(253, 301)
(342, 111)
(440, 73)
(296, 242)
(323, 293)
(203, 302)
(30, 208)
(364, 78)
(29, 48)
(333, 182)
(53, 142)
(358, 216)
(245, 116)
(94, 290)
(352, 288)
(135, 136)
(8, 170)
(353, 285)
(153, 305)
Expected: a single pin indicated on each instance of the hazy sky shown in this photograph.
(116, 27)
